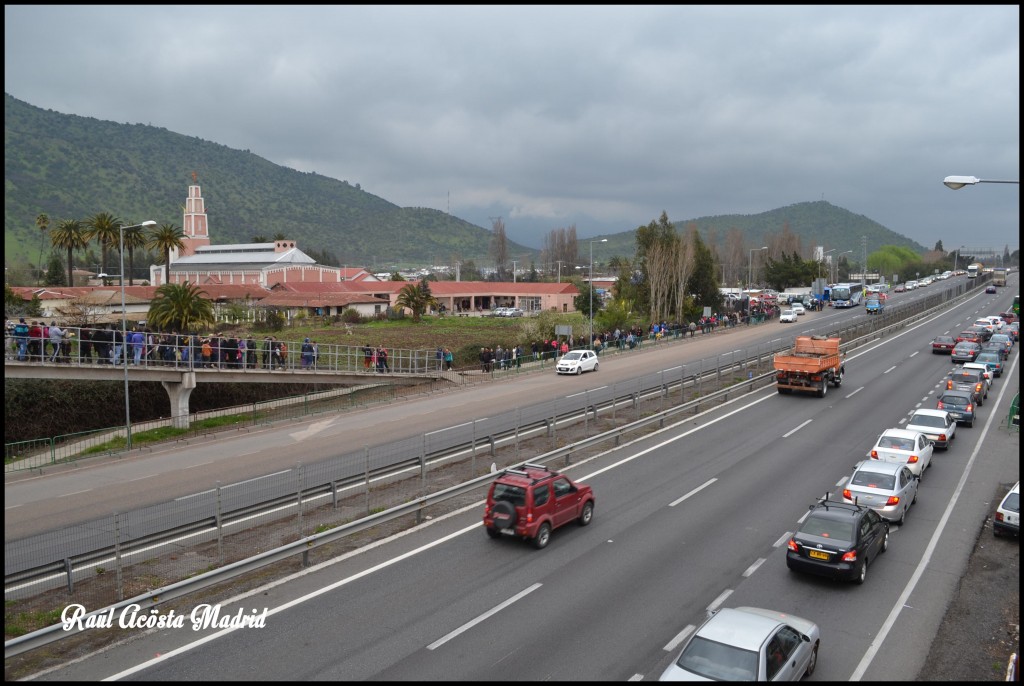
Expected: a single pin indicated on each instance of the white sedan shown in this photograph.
(577, 362)
(787, 317)
(911, 448)
(798, 308)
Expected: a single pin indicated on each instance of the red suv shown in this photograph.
(534, 501)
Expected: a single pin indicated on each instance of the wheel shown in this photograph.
(839, 379)
(863, 571)
(579, 370)
(903, 518)
(543, 536)
(915, 498)
(492, 532)
(587, 514)
(885, 541)
(596, 365)
(824, 388)
(814, 661)
(504, 515)
(971, 424)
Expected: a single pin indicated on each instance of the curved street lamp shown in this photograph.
(123, 357)
(958, 182)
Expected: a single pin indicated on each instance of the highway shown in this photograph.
(691, 517)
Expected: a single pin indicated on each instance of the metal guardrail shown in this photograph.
(304, 545)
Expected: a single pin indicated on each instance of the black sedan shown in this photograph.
(838, 540)
(990, 289)
(965, 351)
(943, 345)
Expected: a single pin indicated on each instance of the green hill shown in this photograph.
(73, 167)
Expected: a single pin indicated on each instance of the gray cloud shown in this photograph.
(599, 116)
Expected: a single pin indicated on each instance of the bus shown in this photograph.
(999, 276)
(847, 294)
(973, 269)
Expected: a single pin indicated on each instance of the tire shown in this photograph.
(579, 370)
(839, 380)
(587, 515)
(492, 532)
(596, 365)
(863, 573)
(971, 424)
(504, 515)
(543, 537)
(824, 388)
(814, 661)
(885, 542)
(903, 518)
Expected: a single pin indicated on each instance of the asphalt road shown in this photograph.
(635, 555)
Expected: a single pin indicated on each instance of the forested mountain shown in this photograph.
(72, 167)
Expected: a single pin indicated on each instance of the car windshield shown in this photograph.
(572, 356)
(874, 480)
(896, 443)
(719, 661)
(510, 492)
(928, 420)
(955, 400)
(828, 528)
(1012, 502)
(988, 357)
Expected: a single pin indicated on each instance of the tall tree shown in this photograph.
(134, 239)
(69, 235)
(43, 224)
(703, 282)
(103, 228)
(180, 307)
(499, 248)
(164, 239)
(417, 298)
(55, 272)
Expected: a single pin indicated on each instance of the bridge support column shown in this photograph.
(178, 392)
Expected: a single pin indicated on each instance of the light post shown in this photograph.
(124, 331)
(591, 284)
(823, 259)
(958, 182)
(835, 266)
(956, 257)
(750, 265)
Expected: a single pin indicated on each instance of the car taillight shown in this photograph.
(874, 454)
(977, 387)
(999, 516)
(970, 407)
(850, 556)
(847, 494)
(939, 406)
(912, 459)
(893, 500)
(792, 545)
(942, 437)
(949, 385)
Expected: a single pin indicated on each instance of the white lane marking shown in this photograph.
(450, 428)
(237, 483)
(679, 638)
(696, 490)
(753, 568)
(782, 541)
(719, 600)
(68, 495)
(914, 353)
(490, 613)
(797, 428)
(855, 392)
(890, 369)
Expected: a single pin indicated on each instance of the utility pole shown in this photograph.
(560, 270)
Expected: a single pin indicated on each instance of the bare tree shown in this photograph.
(735, 256)
(684, 262)
(499, 247)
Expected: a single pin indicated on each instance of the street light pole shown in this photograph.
(124, 331)
(591, 284)
(958, 182)
(750, 265)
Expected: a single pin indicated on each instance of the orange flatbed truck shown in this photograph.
(812, 364)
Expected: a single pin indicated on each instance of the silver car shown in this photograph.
(577, 362)
(748, 644)
(888, 488)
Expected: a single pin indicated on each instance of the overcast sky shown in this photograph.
(547, 116)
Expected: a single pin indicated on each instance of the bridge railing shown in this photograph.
(93, 346)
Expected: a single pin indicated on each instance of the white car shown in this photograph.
(996, 321)
(787, 317)
(910, 285)
(748, 644)
(577, 362)
(1007, 519)
(798, 308)
(938, 425)
(911, 448)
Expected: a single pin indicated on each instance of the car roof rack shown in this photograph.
(824, 501)
(517, 472)
(542, 467)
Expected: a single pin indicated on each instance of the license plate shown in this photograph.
(817, 554)
(956, 415)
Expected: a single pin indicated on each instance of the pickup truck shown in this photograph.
(874, 305)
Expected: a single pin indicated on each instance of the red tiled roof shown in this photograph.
(286, 299)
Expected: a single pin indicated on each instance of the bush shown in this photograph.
(351, 316)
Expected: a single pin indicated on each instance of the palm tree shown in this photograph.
(133, 240)
(416, 297)
(180, 307)
(104, 228)
(164, 239)
(69, 234)
(260, 239)
(43, 224)
(279, 236)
